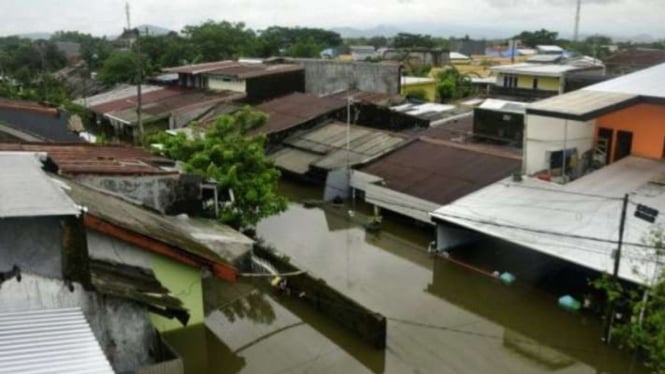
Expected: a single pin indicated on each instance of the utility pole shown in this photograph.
(615, 275)
(139, 78)
(576, 33)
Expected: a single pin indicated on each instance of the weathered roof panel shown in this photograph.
(84, 158)
(49, 341)
(26, 191)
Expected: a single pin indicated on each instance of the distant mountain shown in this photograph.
(380, 30)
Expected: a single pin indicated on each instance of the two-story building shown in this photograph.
(590, 158)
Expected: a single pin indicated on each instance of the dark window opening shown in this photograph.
(624, 145)
(604, 143)
(535, 83)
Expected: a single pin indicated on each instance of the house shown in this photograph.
(162, 108)
(439, 166)
(130, 171)
(363, 52)
(500, 121)
(257, 81)
(531, 80)
(419, 87)
(630, 60)
(584, 153)
(46, 268)
(30, 121)
(314, 153)
(175, 249)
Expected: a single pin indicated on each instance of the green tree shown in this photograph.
(452, 85)
(296, 41)
(221, 40)
(644, 331)
(406, 40)
(236, 161)
(538, 37)
(120, 67)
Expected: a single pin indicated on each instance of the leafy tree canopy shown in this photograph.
(406, 40)
(121, 67)
(452, 85)
(225, 153)
(538, 37)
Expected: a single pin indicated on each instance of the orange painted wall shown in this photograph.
(645, 121)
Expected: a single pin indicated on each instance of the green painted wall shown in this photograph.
(184, 282)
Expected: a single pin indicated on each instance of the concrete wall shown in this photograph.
(226, 84)
(121, 327)
(545, 134)
(429, 88)
(157, 192)
(646, 122)
(326, 76)
(526, 82)
(34, 244)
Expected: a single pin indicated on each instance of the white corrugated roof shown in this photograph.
(545, 70)
(416, 80)
(581, 102)
(26, 191)
(504, 106)
(549, 48)
(458, 56)
(505, 209)
(118, 93)
(49, 341)
(648, 82)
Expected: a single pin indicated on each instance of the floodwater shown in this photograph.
(442, 317)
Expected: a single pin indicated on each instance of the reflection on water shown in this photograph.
(442, 318)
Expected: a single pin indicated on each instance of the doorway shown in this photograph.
(604, 143)
(623, 145)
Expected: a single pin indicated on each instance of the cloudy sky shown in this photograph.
(458, 17)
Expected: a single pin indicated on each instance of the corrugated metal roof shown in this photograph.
(581, 103)
(440, 171)
(504, 106)
(544, 70)
(28, 106)
(501, 209)
(240, 70)
(295, 109)
(325, 147)
(200, 239)
(96, 159)
(26, 191)
(647, 83)
(49, 341)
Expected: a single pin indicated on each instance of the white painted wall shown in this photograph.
(219, 84)
(543, 134)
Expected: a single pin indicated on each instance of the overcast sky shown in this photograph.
(475, 17)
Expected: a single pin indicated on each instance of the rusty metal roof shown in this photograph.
(377, 98)
(83, 158)
(236, 69)
(441, 171)
(295, 109)
(28, 106)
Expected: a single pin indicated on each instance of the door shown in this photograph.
(604, 143)
(623, 145)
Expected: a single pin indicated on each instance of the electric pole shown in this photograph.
(576, 33)
(615, 275)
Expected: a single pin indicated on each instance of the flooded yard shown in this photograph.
(442, 317)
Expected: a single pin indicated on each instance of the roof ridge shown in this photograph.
(470, 147)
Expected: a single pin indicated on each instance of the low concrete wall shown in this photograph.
(364, 323)
(327, 76)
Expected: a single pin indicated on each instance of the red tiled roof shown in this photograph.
(440, 171)
(28, 106)
(75, 158)
(295, 109)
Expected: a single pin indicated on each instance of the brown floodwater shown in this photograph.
(442, 317)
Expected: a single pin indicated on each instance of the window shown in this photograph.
(510, 81)
(535, 83)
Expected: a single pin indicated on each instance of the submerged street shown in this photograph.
(442, 317)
